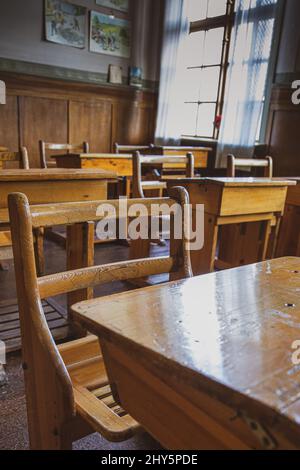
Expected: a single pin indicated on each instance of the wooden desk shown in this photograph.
(233, 201)
(289, 235)
(55, 185)
(206, 363)
(50, 186)
(201, 154)
(122, 163)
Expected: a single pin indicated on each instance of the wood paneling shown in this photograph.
(91, 122)
(9, 124)
(42, 119)
(59, 111)
(283, 132)
(133, 123)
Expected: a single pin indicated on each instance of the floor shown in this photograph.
(13, 426)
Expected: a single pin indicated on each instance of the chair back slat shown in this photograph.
(233, 163)
(140, 160)
(57, 284)
(75, 148)
(130, 148)
(48, 215)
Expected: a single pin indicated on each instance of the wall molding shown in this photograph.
(67, 74)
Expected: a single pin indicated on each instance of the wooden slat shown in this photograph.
(10, 324)
(55, 284)
(69, 213)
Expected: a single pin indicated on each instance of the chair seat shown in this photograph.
(93, 397)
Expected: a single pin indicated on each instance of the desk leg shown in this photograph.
(265, 237)
(80, 254)
(203, 260)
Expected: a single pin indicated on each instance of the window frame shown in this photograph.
(225, 21)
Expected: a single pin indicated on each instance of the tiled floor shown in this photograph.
(13, 426)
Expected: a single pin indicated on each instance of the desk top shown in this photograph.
(293, 178)
(236, 182)
(37, 174)
(109, 156)
(229, 334)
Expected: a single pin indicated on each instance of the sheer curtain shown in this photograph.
(249, 57)
(173, 69)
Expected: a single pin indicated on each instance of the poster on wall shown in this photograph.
(109, 35)
(121, 5)
(65, 23)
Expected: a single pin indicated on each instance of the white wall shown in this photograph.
(22, 38)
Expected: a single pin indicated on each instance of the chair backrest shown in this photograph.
(130, 148)
(45, 373)
(8, 157)
(265, 163)
(157, 161)
(71, 148)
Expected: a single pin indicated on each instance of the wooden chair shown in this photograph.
(139, 185)
(233, 163)
(67, 389)
(21, 157)
(44, 146)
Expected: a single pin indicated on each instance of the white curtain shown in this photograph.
(173, 68)
(249, 57)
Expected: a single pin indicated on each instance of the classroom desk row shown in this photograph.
(226, 201)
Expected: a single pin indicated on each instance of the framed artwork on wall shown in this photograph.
(121, 5)
(109, 35)
(65, 23)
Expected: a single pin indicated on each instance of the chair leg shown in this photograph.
(39, 251)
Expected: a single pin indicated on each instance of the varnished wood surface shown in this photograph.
(122, 163)
(227, 335)
(54, 174)
(230, 201)
(239, 182)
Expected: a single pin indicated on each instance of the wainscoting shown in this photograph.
(283, 132)
(61, 111)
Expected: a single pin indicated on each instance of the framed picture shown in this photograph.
(135, 77)
(65, 23)
(122, 5)
(109, 35)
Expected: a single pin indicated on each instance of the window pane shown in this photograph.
(197, 9)
(216, 7)
(209, 84)
(201, 9)
(189, 119)
(213, 46)
(206, 119)
(195, 48)
(193, 84)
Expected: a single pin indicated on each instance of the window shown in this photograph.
(211, 23)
